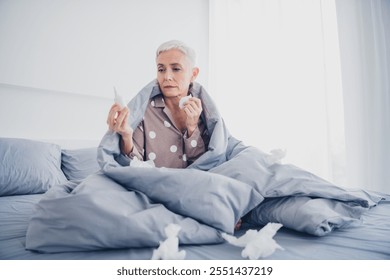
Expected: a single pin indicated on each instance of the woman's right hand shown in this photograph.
(117, 121)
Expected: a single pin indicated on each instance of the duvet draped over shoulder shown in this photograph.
(127, 207)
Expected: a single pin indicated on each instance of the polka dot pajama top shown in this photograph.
(157, 138)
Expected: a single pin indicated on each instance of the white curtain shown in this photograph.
(275, 73)
(308, 76)
(364, 28)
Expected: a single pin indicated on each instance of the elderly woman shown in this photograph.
(170, 135)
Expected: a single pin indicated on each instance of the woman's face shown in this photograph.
(174, 73)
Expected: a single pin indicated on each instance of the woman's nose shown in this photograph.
(168, 75)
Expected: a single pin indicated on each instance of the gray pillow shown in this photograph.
(29, 166)
(77, 164)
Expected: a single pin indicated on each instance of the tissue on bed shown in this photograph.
(257, 244)
(275, 156)
(139, 163)
(169, 248)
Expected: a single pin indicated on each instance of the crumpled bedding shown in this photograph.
(128, 207)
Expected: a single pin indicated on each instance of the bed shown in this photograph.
(30, 168)
(38, 179)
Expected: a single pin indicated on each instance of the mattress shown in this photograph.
(369, 240)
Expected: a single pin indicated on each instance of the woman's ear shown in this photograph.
(195, 72)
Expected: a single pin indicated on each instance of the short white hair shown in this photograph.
(178, 45)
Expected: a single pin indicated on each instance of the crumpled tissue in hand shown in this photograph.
(183, 101)
(257, 244)
(169, 248)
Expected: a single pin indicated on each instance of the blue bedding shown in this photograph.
(368, 240)
(128, 207)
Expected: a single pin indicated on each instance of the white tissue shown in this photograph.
(169, 248)
(183, 101)
(276, 156)
(119, 99)
(257, 244)
(139, 163)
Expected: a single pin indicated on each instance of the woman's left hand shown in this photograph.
(193, 109)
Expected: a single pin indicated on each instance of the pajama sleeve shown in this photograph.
(139, 143)
(138, 150)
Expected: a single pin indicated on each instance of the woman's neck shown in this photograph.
(178, 115)
(172, 103)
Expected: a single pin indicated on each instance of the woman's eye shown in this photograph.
(160, 70)
(176, 69)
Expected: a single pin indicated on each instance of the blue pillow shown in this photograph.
(29, 166)
(77, 164)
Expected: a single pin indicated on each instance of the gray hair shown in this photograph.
(178, 45)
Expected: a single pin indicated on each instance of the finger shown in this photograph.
(196, 104)
(121, 118)
(192, 117)
(189, 111)
(124, 122)
(111, 120)
(115, 108)
(197, 101)
(193, 109)
(112, 114)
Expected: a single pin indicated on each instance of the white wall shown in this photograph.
(88, 46)
(84, 48)
(71, 120)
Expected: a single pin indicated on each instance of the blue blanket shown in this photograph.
(127, 207)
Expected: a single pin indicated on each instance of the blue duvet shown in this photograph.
(129, 207)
